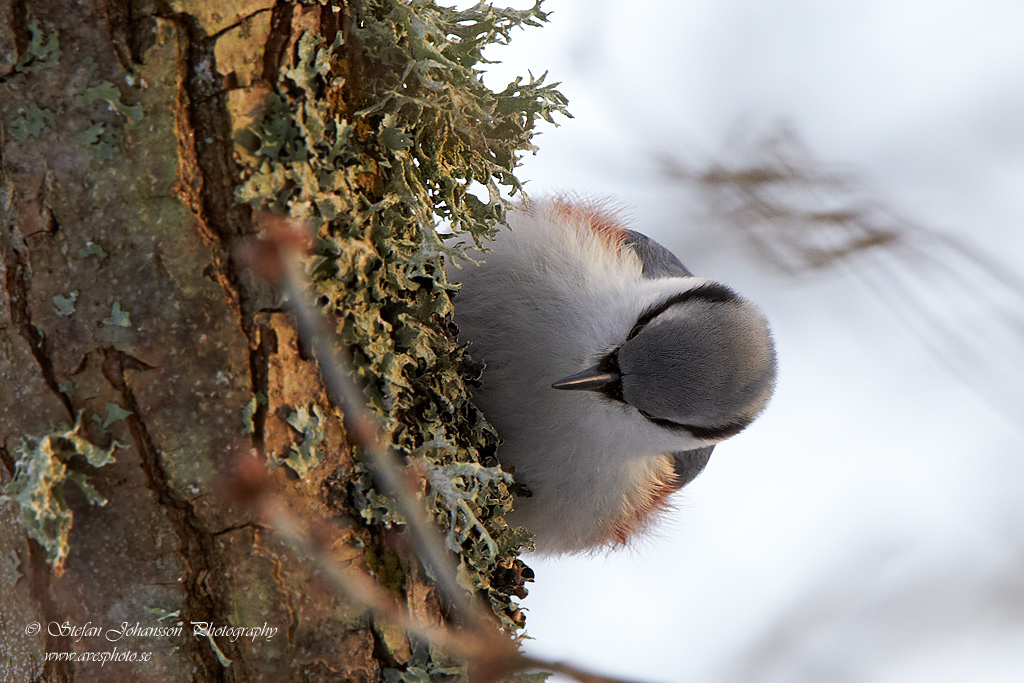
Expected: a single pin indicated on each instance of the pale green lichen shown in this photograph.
(104, 137)
(115, 413)
(91, 249)
(91, 135)
(42, 52)
(38, 486)
(307, 454)
(381, 135)
(374, 507)
(249, 412)
(459, 485)
(427, 665)
(30, 122)
(118, 317)
(105, 140)
(65, 305)
(109, 93)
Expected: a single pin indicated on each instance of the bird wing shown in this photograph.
(657, 260)
(688, 464)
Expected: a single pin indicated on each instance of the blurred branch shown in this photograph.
(492, 656)
(801, 216)
(798, 214)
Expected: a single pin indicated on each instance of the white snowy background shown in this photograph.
(870, 527)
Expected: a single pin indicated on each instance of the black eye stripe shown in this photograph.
(719, 433)
(711, 292)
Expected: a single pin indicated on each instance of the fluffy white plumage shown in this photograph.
(558, 292)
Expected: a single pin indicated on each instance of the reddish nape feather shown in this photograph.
(594, 216)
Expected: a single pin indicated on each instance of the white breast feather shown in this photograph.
(549, 300)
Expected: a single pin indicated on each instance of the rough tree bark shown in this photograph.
(139, 359)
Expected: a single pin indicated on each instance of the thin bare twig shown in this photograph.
(491, 655)
(341, 390)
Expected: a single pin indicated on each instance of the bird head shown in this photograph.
(701, 361)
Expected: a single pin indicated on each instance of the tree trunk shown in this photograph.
(139, 359)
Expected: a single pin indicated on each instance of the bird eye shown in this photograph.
(636, 330)
(710, 292)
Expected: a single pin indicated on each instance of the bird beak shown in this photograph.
(592, 379)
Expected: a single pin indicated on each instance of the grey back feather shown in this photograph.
(657, 260)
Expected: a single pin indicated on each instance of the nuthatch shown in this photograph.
(611, 371)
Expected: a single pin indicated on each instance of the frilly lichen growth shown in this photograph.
(459, 484)
(306, 454)
(372, 137)
(426, 665)
(42, 52)
(38, 486)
